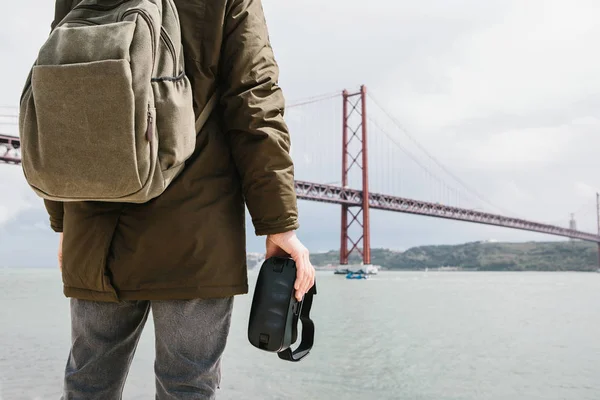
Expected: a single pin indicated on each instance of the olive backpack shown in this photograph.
(107, 112)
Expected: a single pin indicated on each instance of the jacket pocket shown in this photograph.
(82, 143)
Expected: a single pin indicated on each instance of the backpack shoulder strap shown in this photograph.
(208, 109)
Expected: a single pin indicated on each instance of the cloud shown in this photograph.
(516, 149)
(584, 189)
(536, 55)
(16, 194)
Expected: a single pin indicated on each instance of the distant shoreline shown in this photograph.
(574, 256)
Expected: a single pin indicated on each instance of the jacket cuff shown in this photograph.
(56, 225)
(272, 229)
(56, 212)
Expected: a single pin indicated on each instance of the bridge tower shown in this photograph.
(355, 157)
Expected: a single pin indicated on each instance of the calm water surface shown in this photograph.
(400, 335)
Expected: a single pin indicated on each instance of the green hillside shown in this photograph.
(531, 256)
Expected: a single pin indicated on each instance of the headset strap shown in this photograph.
(308, 330)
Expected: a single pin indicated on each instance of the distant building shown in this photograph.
(572, 224)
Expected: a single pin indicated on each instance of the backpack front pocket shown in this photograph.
(82, 143)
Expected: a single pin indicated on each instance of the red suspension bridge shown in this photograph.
(317, 156)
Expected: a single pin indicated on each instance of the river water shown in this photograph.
(400, 335)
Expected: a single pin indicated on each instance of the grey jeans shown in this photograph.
(190, 340)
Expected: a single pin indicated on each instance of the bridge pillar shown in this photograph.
(344, 231)
(355, 154)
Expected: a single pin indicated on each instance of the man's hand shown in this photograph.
(288, 245)
(60, 242)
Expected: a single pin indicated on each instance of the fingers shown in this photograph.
(305, 276)
(310, 275)
(300, 275)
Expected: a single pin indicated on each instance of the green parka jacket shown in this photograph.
(190, 242)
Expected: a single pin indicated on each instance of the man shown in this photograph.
(182, 255)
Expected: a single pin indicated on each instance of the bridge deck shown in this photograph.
(353, 197)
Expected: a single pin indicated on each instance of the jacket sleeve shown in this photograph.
(55, 208)
(55, 211)
(253, 106)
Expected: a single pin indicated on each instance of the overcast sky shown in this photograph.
(505, 94)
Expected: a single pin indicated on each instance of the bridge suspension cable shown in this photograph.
(313, 99)
(584, 210)
(444, 187)
(445, 169)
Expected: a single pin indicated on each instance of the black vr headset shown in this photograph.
(275, 312)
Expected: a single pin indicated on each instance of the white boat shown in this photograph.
(367, 269)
